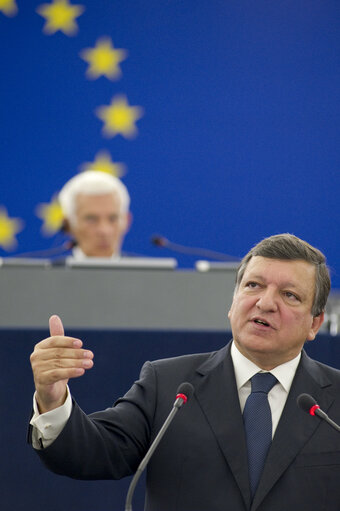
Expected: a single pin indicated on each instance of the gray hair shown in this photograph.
(290, 247)
(91, 182)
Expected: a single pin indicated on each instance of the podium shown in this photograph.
(135, 296)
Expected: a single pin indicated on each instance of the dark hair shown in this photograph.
(290, 247)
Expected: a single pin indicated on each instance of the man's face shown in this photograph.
(100, 226)
(271, 311)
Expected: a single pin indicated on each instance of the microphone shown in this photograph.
(67, 245)
(161, 242)
(184, 392)
(308, 404)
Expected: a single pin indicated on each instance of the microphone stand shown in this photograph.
(145, 460)
(184, 391)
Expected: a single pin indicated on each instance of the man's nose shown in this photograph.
(105, 228)
(267, 300)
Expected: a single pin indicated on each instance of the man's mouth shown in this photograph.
(261, 322)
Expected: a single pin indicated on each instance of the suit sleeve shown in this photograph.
(108, 444)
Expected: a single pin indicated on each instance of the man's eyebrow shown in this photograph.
(291, 284)
(251, 276)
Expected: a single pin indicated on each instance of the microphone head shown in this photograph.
(158, 241)
(306, 403)
(185, 389)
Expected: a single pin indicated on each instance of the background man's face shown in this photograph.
(99, 227)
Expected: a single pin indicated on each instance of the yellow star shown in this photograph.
(9, 227)
(104, 163)
(60, 15)
(8, 7)
(119, 117)
(52, 216)
(104, 59)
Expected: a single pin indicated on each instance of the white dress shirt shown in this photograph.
(277, 396)
(79, 255)
(47, 426)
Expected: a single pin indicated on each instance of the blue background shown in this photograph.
(239, 139)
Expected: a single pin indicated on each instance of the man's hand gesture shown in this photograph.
(54, 361)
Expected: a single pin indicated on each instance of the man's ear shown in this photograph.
(315, 326)
(128, 221)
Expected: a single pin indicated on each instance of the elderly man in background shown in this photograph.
(96, 211)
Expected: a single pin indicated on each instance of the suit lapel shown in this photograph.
(295, 426)
(217, 395)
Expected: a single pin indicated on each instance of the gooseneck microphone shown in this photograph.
(308, 404)
(67, 245)
(184, 392)
(161, 242)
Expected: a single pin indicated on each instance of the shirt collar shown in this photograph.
(78, 254)
(245, 369)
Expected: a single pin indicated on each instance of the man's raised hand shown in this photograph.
(54, 361)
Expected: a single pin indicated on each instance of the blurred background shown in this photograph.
(220, 116)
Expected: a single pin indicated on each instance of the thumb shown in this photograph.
(56, 325)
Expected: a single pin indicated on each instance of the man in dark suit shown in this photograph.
(204, 462)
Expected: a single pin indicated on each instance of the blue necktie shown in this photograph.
(257, 420)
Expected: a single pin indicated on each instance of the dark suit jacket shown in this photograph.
(201, 463)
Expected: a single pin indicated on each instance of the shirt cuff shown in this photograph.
(47, 426)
